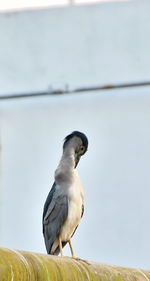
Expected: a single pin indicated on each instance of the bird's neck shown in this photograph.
(67, 160)
(66, 167)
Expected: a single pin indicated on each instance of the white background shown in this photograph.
(78, 46)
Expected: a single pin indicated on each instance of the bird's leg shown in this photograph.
(60, 247)
(71, 249)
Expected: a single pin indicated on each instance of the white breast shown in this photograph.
(75, 202)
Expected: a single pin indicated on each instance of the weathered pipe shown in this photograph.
(25, 266)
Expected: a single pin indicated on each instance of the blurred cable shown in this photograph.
(52, 92)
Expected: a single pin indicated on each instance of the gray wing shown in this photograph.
(64, 242)
(54, 215)
(49, 199)
(82, 211)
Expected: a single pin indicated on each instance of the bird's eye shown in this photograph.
(82, 148)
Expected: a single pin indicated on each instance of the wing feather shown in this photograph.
(54, 215)
(64, 243)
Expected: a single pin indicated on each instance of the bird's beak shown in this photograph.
(77, 158)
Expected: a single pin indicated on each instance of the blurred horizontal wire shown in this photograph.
(72, 91)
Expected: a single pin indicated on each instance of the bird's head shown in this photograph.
(78, 142)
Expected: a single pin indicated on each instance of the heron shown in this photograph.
(64, 206)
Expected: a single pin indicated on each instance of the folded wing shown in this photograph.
(54, 215)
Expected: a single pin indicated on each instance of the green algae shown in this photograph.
(26, 266)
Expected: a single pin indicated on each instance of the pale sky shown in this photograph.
(8, 5)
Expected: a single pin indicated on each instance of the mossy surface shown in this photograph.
(26, 266)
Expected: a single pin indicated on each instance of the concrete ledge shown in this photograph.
(26, 266)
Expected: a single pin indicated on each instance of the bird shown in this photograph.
(64, 206)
